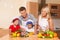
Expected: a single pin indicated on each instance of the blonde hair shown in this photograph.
(47, 11)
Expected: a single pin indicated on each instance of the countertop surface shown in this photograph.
(33, 37)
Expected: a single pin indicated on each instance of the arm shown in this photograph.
(51, 25)
(10, 32)
(39, 28)
(35, 23)
(47, 28)
(35, 29)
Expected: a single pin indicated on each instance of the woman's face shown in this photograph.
(16, 22)
(43, 12)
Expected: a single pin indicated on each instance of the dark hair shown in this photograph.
(22, 8)
(44, 6)
(15, 20)
(29, 22)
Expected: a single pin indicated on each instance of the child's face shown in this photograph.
(29, 26)
(16, 22)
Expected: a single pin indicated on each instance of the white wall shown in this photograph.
(33, 0)
(53, 1)
(8, 10)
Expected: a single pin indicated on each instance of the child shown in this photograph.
(15, 26)
(29, 27)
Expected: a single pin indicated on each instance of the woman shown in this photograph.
(45, 20)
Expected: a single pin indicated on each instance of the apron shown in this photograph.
(43, 23)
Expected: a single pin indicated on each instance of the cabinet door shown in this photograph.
(55, 10)
(32, 7)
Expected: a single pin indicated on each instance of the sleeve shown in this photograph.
(19, 27)
(10, 29)
(33, 18)
(20, 22)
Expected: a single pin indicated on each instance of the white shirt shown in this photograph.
(30, 30)
(43, 23)
(25, 26)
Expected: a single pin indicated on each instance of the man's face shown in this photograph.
(23, 13)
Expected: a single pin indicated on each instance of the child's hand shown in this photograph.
(23, 34)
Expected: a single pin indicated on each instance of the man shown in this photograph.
(26, 16)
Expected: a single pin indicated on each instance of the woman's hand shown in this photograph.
(51, 25)
(47, 28)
